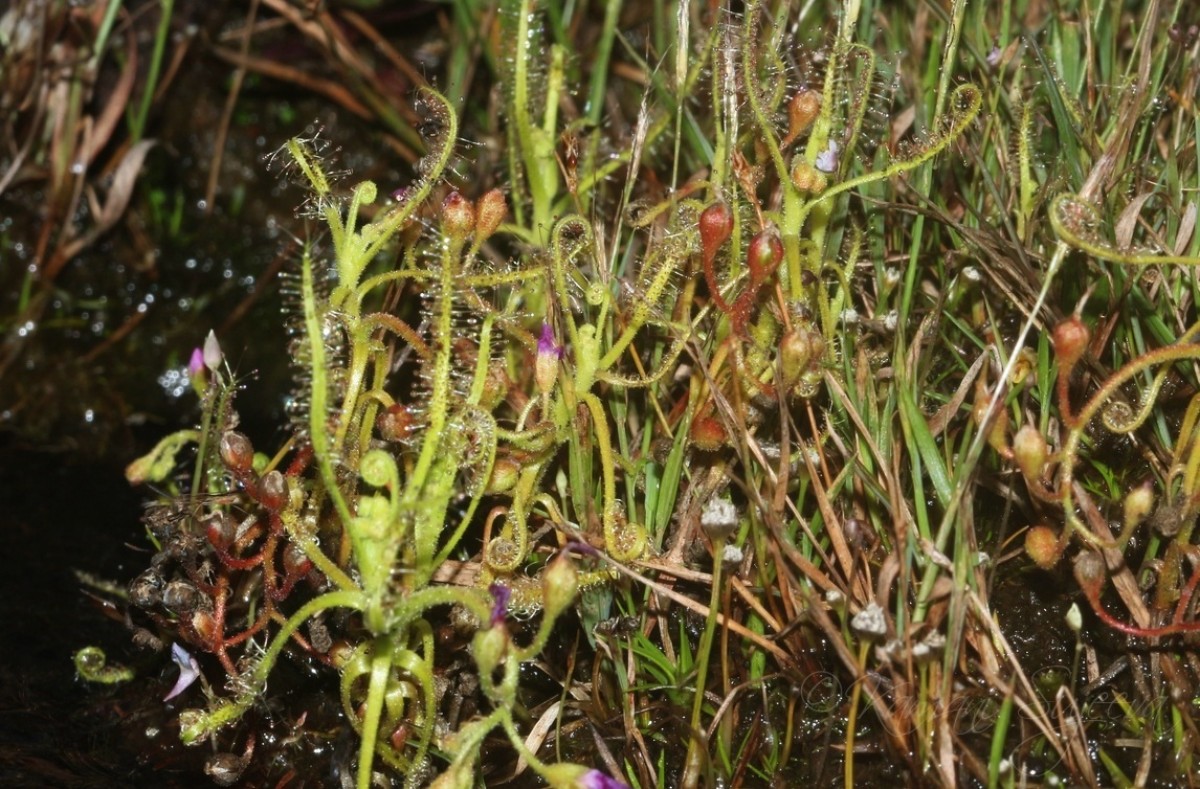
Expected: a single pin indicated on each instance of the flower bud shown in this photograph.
(489, 646)
(716, 225)
(1070, 338)
(808, 179)
(1074, 618)
(545, 370)
(560, 582)
(195, 370)
(1138, 504)
(1043, 546)
(212, 352)
(236, 452)
(490, 212)
(458, 216)
(1029, 449)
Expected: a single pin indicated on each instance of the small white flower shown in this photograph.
(731, 555)
(849, 316)
(891, 320)
(971, 274)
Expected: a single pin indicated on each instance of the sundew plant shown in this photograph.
(719, 402)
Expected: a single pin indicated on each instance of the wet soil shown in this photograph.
(57, 516)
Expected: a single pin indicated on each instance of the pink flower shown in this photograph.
(196, 363)
(545, 369)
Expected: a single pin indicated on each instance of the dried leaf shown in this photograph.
(1187, 226)
(1128, 221)
(537, 735)
(122, 187)
(114, 108)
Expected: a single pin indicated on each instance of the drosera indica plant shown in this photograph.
(357, 507)
(676, 383)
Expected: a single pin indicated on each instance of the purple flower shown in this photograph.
(594, 779)
(827, 160)
(580, 547)
(547, 345)
(501, 594)
(189, 671)
(545, 367)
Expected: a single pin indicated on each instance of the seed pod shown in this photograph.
(764, 255)
(1138, 504)
(716, 225)
(1090, 572)
(225, 769)
(458, 216)
(181, 597)
(996, 430)
(799, 351)
(708, 434)
(1071, 337)
(1029, 449)
(294, 561)
(220, 529)
(1043, 546)
(236, 452)
(205, 625)
(802, 111)
(396, 423)
(491, 211)
(505, 472)
(273, 490)
(145, 591)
